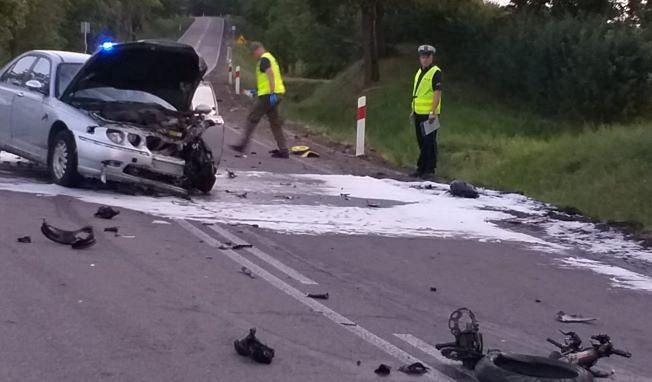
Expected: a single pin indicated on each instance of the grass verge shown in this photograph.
(604, 171)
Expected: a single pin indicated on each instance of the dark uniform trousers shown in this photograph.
(427, 163)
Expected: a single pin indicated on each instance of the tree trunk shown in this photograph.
(369, 13)
(380, 29)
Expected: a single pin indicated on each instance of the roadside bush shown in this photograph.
(580, 68)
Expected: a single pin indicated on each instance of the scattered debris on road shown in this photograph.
(232, 175)
(162, 222)
(537, 301)
(463, 189)
(383, 369)
(126, 236)
(433, 289)
(24, 239)
(246, 271)
(345, 196)
(319, 296)
(112, 229)
(240, 156)
(285, 184)
(349, 323)
(574, 318)
(235, 247)
(106, 212)
(250, 346)
(416, 368)
(241, 195)
(304, 152)
(79, 239)
(372, 205)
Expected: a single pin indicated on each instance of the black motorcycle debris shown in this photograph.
(106, 212)
(251, 347)
(79, 239)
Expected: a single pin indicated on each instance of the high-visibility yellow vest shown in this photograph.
(264, 87)
(423, 95)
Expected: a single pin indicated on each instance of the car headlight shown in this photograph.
(115, 136)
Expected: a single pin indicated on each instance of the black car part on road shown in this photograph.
(79, 239)
(497, 366)
(250, 346)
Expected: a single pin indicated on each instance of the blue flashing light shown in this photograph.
(107, 46)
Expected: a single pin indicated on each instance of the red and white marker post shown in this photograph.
(237, 80)
(360, 129)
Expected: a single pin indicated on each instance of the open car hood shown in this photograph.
(168, 70)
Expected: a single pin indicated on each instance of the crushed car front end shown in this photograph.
(144, 131)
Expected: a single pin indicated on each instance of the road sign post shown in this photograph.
(361, 126)
(237, 80)
(85, 30)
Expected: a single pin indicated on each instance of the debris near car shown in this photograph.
(234, 247)
(587, 357)
(574, 318)
(383, 370)
(79, 239)
(250, 346)
(232, 175)
(416, 368)
(571, 363)
(24, 239)
(241, 195)
(318, 296)
(107, 213)
(112, 230)
(247, 272)
(463, 189)
(469, 343)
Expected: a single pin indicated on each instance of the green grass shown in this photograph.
(604, 171)
(165, 28)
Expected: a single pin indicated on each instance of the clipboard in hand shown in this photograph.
(428, 127)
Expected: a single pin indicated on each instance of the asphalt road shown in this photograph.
(162, 302)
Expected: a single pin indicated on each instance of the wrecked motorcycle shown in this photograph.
(571, 363)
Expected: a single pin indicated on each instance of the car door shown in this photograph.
(30, 117)
(11, 83)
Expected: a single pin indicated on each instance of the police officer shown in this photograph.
(270, 90)
(426, 107)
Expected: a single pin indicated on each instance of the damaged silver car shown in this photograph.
(125, 114)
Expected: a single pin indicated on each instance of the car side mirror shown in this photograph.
(203, 109)
(34, 85)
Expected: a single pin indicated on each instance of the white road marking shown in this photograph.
(433, 352)
(332, 315)
(265, 257)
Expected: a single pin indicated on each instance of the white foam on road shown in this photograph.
(311, 205)
(620, 278)
(6, 157)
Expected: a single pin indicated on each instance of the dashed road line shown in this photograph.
(364, 334)
(265, 257)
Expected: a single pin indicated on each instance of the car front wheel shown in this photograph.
(62, 160)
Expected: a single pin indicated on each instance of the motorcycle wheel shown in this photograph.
(506, 367)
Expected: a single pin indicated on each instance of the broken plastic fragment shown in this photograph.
(79, 239)
(416, 368)
(250, 346)
(111, 229)
(248, 272)
(105, 212)
(573, 318)
(25, 239)
(319, 296)
(463, 190)
(383, 369)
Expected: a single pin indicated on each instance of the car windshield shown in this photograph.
(110, 94)
(65, 75)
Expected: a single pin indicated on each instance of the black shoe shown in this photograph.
(283, 154)
(238, 148)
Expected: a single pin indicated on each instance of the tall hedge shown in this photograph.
(582, 68)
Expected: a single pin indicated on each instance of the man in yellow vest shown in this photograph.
(426, 107)
(270, 90)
